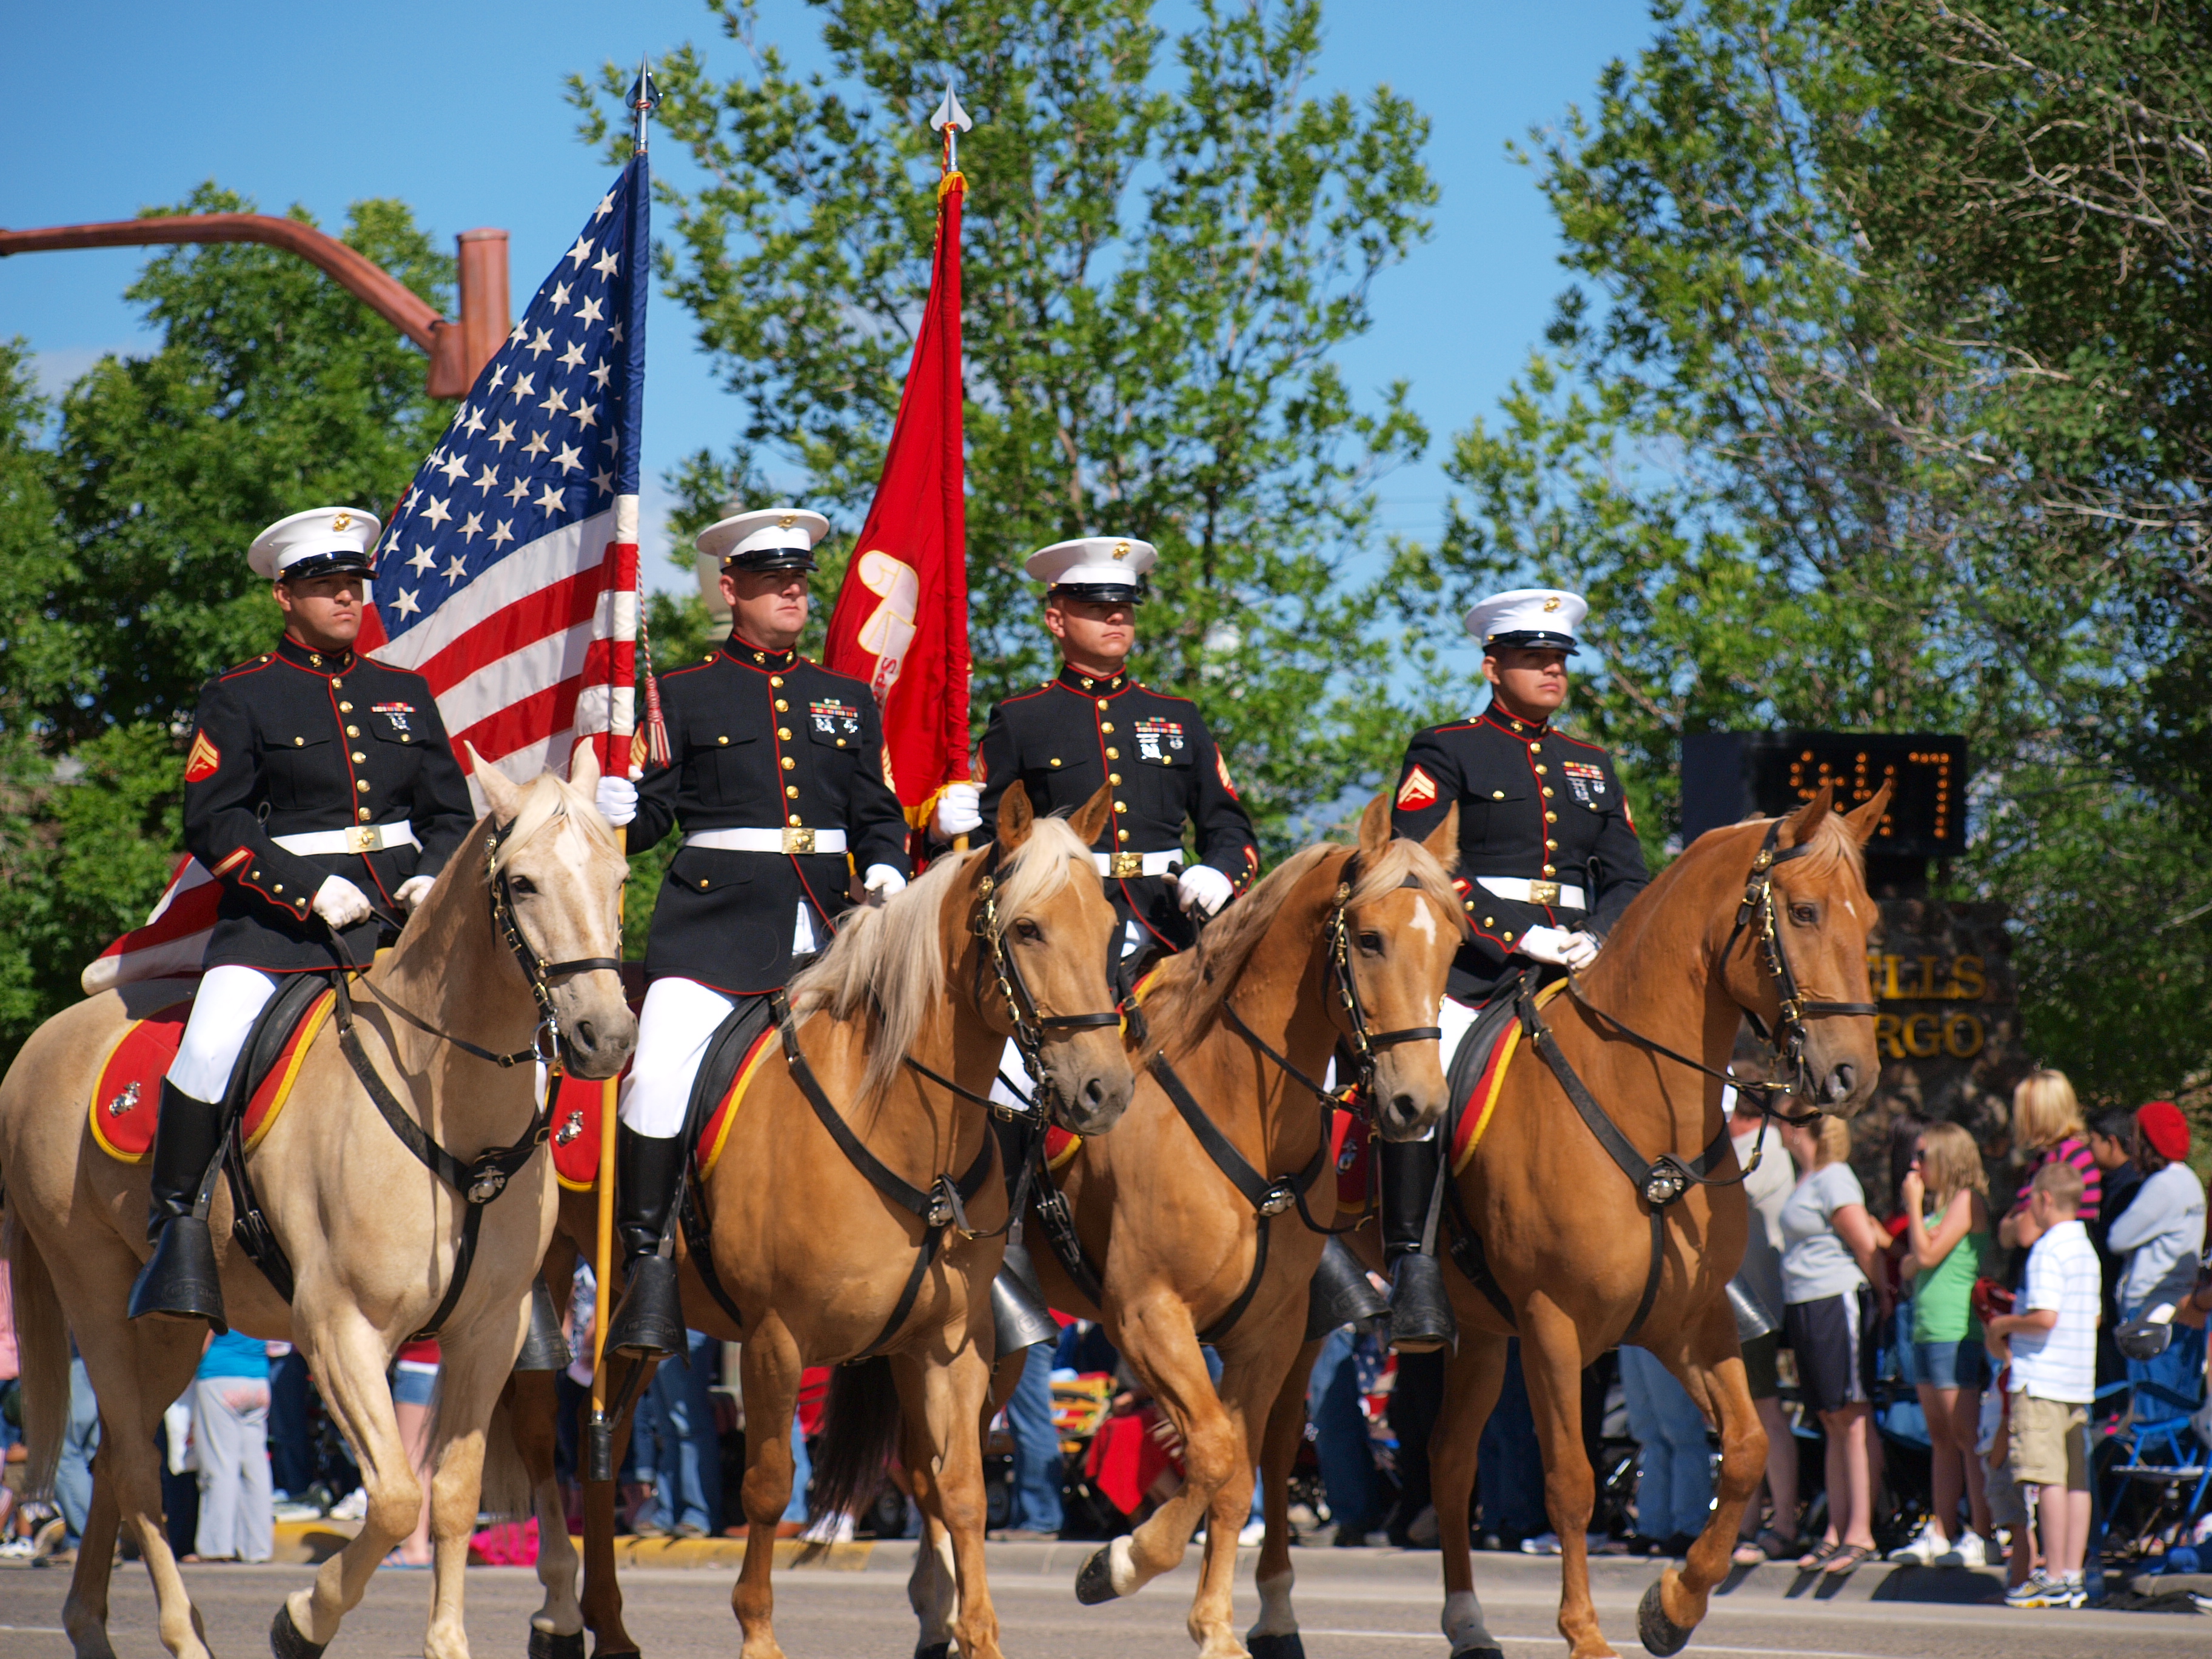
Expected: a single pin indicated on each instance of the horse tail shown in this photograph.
(860, 1431)
(507, 1493)
(43, 1349)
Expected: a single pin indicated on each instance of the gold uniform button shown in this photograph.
(1102, 702)
(1550, 847)
(1121, 806)
(1547, 792)
(841, 743)
(1488, 921)
(722, 739)
(791, 789)
(788, 762)
(1113, 753)
(358, 758)
(1508, 938)
(1121, 835)
(361, 785)
(362, 815)
(336, 683)
(345, 708)
(1498, 794)
(1105, 725)
(703, 881)
(1539, 770)
(781, 706)
(1550, 871)
(299, 743)
(1535, 748)
(1551, 818)
(403, 738)
(793, 818)
(783, 732)
(1056, 760)
(353, 731)
(1114, 777)
(775, 679)
(280, 886)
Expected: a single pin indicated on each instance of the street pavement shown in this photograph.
(1350, 1602)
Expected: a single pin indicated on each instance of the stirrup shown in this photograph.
(1340, 1293)
(180, 1279)
(1421, 1319)
(648, 1323)
(1019, 1316)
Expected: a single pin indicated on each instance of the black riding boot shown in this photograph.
(180, 1281)
(1420, 1308)
(649, 1321)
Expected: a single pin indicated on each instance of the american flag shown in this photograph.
(507, 577)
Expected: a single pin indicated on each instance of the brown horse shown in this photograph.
(1338, 945)
(1768, 918)
(371, 1233)
(824, 1266)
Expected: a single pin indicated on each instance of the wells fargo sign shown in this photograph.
(1948, 1025)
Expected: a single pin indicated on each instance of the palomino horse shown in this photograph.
(1339, 944)
(1768, 918)
(498, 956)
(901, 1026)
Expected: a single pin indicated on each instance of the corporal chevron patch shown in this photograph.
(204, 760)
(1418, 789)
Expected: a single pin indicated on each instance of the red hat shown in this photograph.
(2162, 1125)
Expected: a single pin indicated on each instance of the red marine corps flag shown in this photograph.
(900, 623)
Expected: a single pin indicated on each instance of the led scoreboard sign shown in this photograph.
(1730, 776)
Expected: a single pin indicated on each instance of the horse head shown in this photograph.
(1047, 939)
(556, 871)
(1796, 957)
(1402, 925)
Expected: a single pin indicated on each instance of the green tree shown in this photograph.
(1164, 241)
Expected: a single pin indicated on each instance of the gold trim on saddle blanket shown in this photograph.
(295, 1056)
(1507, 1048)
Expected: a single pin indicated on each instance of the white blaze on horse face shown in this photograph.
(1424, 921)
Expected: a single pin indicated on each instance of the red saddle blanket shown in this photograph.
(581, 1106)
(126, 1097)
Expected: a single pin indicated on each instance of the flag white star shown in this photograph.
(489, 479)
(607, 264)
(437, 512)
(537, 445)
(580, 252)
(472, 526)
(573, 356)
(606, 206)
(474, 421)
(525, 387)
(454, 467)
(614, 331)
(556, 401)
(407, 604)
(504, 436)
(587, 415)
(591, 312)
(568, 460)
(549, 499)
(421, 559)
(517, 490)
(502, 533)
(560, 296)
(520, 329)
(457, 570)
(604, 482)
(600, 374)
(499, 374)
(541, 343)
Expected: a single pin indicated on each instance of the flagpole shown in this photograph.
(950, 121)
(598, 1463)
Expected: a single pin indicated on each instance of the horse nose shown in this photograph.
(587, 1037)
(1403, 1108)
(1842, 1081)
(1094, 1093)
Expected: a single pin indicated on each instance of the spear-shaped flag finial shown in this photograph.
(644, 99)
(951, 120)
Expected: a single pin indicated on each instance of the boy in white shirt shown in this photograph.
(2050, 1343)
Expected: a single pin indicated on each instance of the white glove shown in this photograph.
(341, 903)
(1579, 951)
(617, 801)
(959, 810)
(413, 891)
(882, 881)
(1548, 945)
(1203, 887)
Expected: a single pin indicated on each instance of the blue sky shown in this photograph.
(458, 110)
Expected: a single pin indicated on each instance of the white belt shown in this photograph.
(356, 838)
(1125, 864)
(792, 838)
(1564, 895)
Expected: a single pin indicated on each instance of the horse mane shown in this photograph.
(546, 798)
(1832, 850)
(1834, 847)
(892, 958)
(1188, 989)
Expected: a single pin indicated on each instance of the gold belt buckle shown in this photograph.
(1543, 892)
(1128, 864)
(798, 840)
(365, 838)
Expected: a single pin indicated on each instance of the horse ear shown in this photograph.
(1862, 821)
(1375, 826)
(1090, 823)
(504, 794)
(583, 769)
(1442, 841)
(1016, 815)
(1798, 828)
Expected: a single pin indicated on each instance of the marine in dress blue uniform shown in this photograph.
(318, 782)
(778, 781)
(1549, 860)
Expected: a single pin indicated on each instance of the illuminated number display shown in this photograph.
(1927, 812)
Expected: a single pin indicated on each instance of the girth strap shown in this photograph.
(1659, 1181)
(942, 1204)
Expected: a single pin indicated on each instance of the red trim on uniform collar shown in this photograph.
(743, 653)
(1095, 685)
(315, 662)
(1514, 725)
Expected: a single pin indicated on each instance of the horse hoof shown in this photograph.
(935, 1650)
(285, 1640)
(1095, 1583)
(1659, 1634)
(545, 1644)
(1287, 1646)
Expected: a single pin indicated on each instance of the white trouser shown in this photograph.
(230, 999)
(680, 1018)
(1010, 1062)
